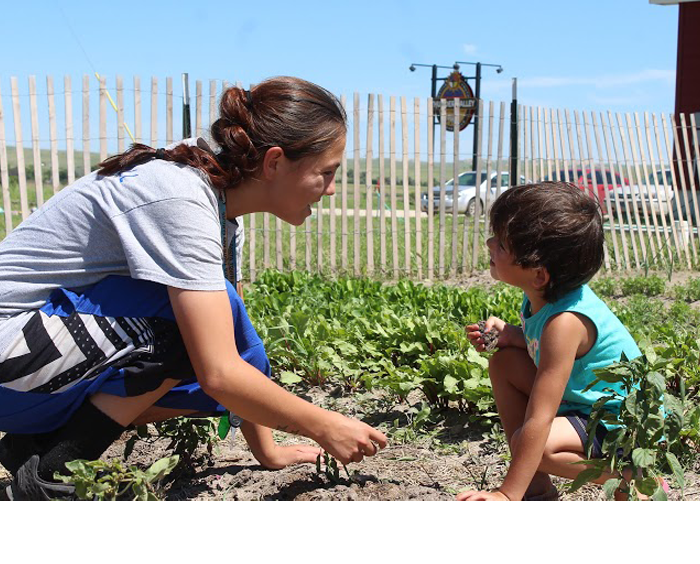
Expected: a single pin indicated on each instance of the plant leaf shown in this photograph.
(643, 457)
(677, 469)
(584, 477)
(161, 468)
(610, 487)
(288, 378)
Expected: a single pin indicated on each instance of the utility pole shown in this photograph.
(514, 178)
(186, 120)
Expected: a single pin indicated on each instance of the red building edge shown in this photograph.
(687, 103)
(688, 94)
(688, 61)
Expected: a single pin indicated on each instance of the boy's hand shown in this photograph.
(473, 495)
(476, 336)
(283, 456)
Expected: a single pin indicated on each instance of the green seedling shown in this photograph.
(328, 465)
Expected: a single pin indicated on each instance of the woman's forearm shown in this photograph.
(248, 393)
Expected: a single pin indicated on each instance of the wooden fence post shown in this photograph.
(36, 150)
(392, 168)
(443, 180)
(103, 118)
(55, 180)
(369, 186)
(407, 263)
(417, 188)
(430, 126)
(382, 187)
(70, 141)
(19, 149)
(4, 174)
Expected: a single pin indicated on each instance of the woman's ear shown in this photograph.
(271, 162)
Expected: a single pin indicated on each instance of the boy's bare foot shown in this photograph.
(541, 488)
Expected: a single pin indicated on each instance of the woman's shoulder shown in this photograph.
(159, 180)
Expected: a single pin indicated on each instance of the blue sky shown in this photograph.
(589, 55)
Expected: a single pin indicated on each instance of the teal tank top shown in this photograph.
(611, 341)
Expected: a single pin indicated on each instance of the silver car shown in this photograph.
(466, 199)
(652, 193)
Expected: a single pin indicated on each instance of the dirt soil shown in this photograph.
(434, 465)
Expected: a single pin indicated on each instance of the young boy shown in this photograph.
(548, 241)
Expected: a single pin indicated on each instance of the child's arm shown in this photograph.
(509, 335)
(561, 339)
(271, 455)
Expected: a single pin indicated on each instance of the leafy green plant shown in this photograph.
(646, 437)
(605, 286)
(186, 434)
(406, 337)
(100, 480)
(645, 285)
(689, 292)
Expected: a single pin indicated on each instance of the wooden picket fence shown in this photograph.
(374, 224)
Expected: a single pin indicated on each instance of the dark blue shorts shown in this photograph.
(579, 421)
(117, 337)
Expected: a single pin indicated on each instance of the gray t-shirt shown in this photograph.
(158, 221)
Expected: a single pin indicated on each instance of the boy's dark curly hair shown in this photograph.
(554, 225)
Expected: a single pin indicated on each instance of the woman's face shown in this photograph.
(302, 183)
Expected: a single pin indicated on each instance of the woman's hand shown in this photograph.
(509, 335)
(282, 456)
(474, 495)
(349, 440)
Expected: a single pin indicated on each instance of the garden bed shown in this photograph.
(431, 454)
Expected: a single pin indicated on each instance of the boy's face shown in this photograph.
(503, 265)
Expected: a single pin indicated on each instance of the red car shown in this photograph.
(584, 179)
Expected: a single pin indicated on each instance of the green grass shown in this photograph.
(308, 242)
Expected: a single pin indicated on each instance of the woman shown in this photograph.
(114, 308)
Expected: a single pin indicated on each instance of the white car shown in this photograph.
(466, 201)
(652, 193)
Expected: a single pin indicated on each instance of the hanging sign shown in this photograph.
(456, 90)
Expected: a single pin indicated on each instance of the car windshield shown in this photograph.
(466, 179)
(660, 178)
